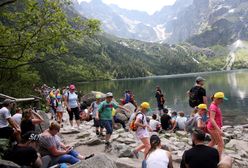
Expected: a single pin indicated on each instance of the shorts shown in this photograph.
(74, 111)
(97, 123)
(6, 132)
(107, 124)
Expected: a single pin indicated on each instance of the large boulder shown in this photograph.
(8, 164)
(123, 115)
(90, 97)
(97, 161)
(237, 145)
(44, 125)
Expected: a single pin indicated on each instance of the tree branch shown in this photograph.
(6, 2)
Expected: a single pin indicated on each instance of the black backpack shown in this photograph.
(194, 99)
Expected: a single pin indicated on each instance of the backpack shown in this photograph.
(193, 96)
(132, 125)
(191, 123)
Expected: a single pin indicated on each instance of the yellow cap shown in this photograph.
(202, 106)
(220, 95)
(98, 96)
(145, 105)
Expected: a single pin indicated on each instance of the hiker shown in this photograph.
(142, 129)
(154, 124)
(17, 117)
(104, 114)
(8, 127)
(166, 121)
(215, 122)
(127, 96)
(157, 157)
(93, 110)
(50, 144)
(118, 120)
(59, 107)
(200, 155)
(72, 106)
(51, 101)
(197, 94)
(25, 153)
(173, 121)
(160, 99)
(181, 120)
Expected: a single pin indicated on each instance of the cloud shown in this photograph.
(149, 6)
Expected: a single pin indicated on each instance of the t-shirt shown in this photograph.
(218, 116)
(46, 142)
(157, 159)
(26, 126)
(17, 118)
(201, 92)
(154, 124)
(159, 97)
(105, 110)
(181, 121)
(23, 156)
(165, 121)
(200, 156)
(72, 100)
(142, 132)
(4, 115)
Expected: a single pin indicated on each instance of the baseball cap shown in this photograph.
(8, 101)
(145, 105)
(220, 95)
(202, 106)
(199, 78)
(109, 94)
(72, 86)
(98, 96)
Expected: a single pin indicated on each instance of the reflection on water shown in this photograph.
(234, 84)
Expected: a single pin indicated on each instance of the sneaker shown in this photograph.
(126, 130)
(135, 154)
(108, 147)
(73, 128)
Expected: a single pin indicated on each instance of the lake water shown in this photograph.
(234, 84)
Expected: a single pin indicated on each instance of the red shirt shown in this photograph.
(218, 116)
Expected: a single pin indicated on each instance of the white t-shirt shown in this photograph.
(73, 97)
(142, 132)
(4, 115)
(181, 121)
(153, 124)
(17, 118)
(157, 159)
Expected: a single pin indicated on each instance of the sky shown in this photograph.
(150, 6)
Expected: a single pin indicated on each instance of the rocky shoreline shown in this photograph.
(86, 142)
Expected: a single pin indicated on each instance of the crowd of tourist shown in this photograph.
(46, 149)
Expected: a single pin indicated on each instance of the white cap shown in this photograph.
(109, 94)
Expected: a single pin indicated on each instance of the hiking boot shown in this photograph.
(135, 154)
(126, 130)
(97, 133)
(108, 147)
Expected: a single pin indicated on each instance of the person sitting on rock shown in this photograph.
(29, 120)
(156, 156)
(50, 144)
(9, 129)
(25, 153)
(154, 124)
(181, 121)
(17, 117)
(173, 121)
(200, 156)
(166, 120)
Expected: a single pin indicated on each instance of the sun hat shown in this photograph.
(202, 106)
(109, 94)
(98, 96)
(199, 78)
(72, 86)
(220, 95)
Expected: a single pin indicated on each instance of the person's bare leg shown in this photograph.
(147, 145)
(139, 148)
(78, 122)
(107, 137)
(71, 123)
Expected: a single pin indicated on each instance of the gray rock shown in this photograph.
(83, 135)
(4, 146)
(44, 125)
(126, 152)
(127, 163)
(97, 161)
(8, 164)
(181, 133)
(237, 145)
(93, 141)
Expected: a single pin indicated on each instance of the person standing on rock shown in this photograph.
(104, 114)
(73, 106)
(215, 122)
(93, 110)
(197, 94)
(142, 129)
(160, 99)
